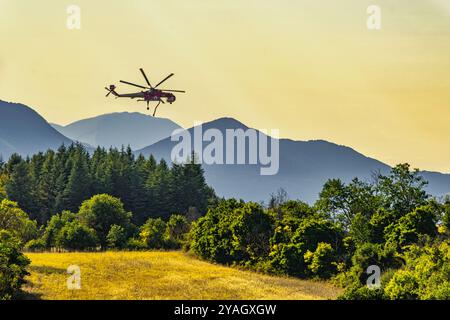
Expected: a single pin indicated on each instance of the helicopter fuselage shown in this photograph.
(150, 94)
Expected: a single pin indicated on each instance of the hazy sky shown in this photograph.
(308, 67)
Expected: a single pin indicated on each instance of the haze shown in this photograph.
(309, 68)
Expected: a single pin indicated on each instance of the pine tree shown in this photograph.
(18, 187)
(78, 186)
(46, 190)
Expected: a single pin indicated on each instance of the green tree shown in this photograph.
(152, 233)
(13, 266)
(18, 187)
(15, 220)
(409, 228)
(78, 185)
(323, 261)
(101, 212)
(117, 237)
(176, 230)
(342, 202)
(54, 226)
(403, 190)
(252, 228)
(46, 188)
(211, 235)
(75, 236)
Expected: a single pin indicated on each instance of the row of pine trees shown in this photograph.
(50, 182)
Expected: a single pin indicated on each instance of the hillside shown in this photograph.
(159, 275)
(119, 129)
(24, 131)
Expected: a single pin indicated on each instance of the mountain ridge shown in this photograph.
(24, 131)
(304, 166)
(119, 129)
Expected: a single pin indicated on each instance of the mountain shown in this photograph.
(304, 166)
(24, 131)
(119, 129)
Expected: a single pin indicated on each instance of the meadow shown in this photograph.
(159, 275)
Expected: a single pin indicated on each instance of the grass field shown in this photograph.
(158, 275)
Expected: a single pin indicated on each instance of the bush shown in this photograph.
(176, 231)
(136, 244)
(12, 266)
(75, 236)
(54, 226)
(101, 212)
(322, 262)
(288, 259)
(362, 293)
(15, 220)
(35, 245)
(152, 233)
(233, 232)
(409, 229)
(404, 285)
(252, 228)
(211, 236)
(117, 237)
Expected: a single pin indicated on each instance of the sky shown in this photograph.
(310, 68)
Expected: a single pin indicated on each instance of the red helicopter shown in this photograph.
(150, 94)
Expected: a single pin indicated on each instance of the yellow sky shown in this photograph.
(310, 68)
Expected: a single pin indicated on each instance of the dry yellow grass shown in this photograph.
(159, 275)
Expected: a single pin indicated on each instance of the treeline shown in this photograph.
(49, 183)
(390, 224)
(100, 223)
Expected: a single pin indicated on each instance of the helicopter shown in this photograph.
(150, 93)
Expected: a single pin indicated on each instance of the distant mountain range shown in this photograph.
(303, 168)
(119, 129)
(24, 131)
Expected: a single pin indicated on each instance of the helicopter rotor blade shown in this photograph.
(165, 79)
(109, 91)
(180, 91)
(145, 77)
(133, 84)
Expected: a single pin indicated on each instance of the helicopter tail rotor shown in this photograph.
(110, 90)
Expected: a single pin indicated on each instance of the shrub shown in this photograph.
(117, 237)
(288, 259)
(404, 285)
(152, 233)
(176, 230)
(75, 236)
(54, 226)
(35, 245)
(101, 212)
(15, 220)
(252, 228)
(211, 236)
(322, 262)
(12, 266)
(362, 293)
(136, 244)
(421, 221)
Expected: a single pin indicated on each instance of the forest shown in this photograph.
(70, 200)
